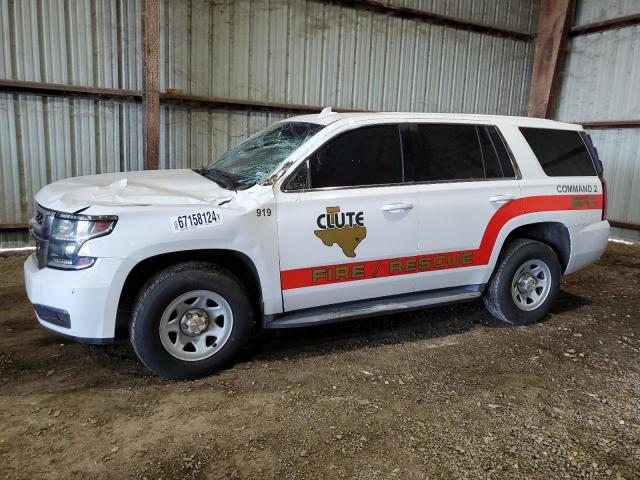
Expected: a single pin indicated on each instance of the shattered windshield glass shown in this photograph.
(255, 159)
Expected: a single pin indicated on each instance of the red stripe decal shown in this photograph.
(353, 271)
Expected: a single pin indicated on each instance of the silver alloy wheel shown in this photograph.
(196, 325)
(531, 284)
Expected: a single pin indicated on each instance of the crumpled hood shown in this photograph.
(150, 187)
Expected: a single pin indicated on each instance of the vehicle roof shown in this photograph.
(331, 117)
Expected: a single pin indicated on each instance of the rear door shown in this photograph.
(468, 189)
(341, 215)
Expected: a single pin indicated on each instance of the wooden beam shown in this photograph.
(238, 104)
(384, 8)
(151, 82)
(553, 27)
(627, 225)
(603, 26)
(14, 227)
(117, 95)
(610, 124)
(77, 91)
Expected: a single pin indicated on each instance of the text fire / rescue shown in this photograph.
(389, 267)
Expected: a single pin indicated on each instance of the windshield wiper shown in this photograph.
(222, 178)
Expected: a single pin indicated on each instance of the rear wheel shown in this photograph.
(524, 284)
(190, 320)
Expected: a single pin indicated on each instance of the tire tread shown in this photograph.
(160, 277)
(492, 294)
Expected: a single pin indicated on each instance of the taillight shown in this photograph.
(605, 202)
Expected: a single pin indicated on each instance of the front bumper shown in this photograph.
(88, 297)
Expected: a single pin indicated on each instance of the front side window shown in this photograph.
(364, 156)
(255, 159)
(561, 153)
(460, 152)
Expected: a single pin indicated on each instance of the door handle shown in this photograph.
(397, 207)
(500, 199)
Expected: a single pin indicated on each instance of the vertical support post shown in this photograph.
(553, 27)
(151, 82)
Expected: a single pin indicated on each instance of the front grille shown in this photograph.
(40, 229)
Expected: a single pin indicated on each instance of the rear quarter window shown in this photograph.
(561, 153)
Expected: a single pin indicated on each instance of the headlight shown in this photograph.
(68, 234)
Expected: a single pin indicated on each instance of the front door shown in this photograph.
(341, 216)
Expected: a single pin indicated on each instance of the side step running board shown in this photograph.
(378, 306)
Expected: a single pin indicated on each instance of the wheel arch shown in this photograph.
(554, 234)
(238, 263)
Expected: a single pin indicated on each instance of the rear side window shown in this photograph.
(460, 152)
(561, 153)
(365, 156)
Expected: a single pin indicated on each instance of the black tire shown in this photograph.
(160, 291)
(498, 298)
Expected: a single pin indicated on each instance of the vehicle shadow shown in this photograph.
(423, 324)
(565, 302)
(322, 340)
(123, 367)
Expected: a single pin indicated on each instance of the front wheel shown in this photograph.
(190, 320)
(524, 284)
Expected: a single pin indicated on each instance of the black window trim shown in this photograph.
(512, 157)
(514, 164)
(402, 132)
(396, 123)
(593, 152)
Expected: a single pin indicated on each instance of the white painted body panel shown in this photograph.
(89, 296)
(445, 217)
(454, 217)
(388, 234)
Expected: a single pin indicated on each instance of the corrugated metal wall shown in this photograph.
(313, 53)
(89, 43)
(519, 15)
(589, 11)
(289, 51)
(601, 82)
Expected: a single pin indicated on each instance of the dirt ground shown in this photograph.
(440, 393)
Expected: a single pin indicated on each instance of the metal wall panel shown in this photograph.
(319, 54)
(520, 15)
(620, 154)
(601, 82)
(45, 139)
(15, 240)
(313, 53)
(589, 11)
(194, 137)
(82, 42)
(601, 79)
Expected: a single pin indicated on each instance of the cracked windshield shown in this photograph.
(254, 160)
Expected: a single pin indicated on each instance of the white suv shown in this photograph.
(318, 218)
